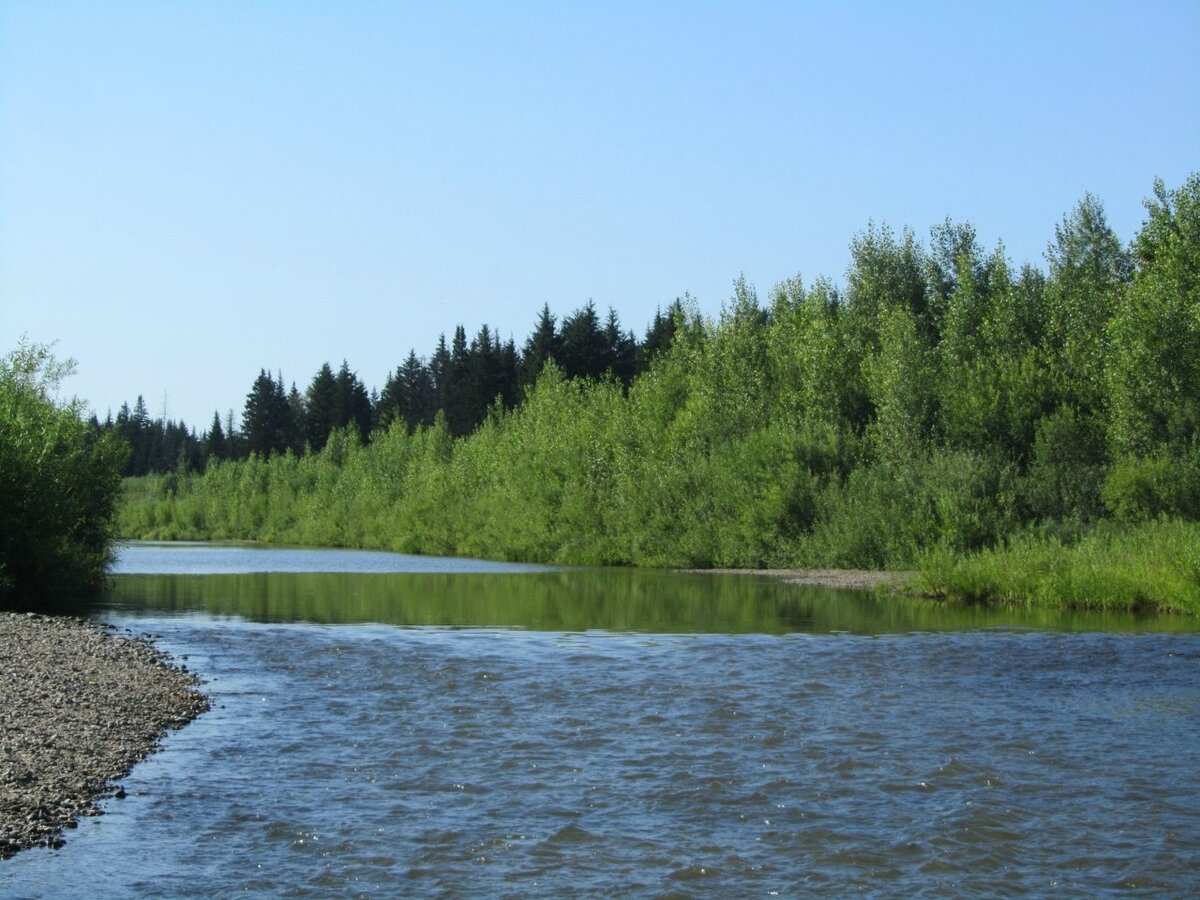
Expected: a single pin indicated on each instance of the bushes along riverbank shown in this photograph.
(1153, 567)
(943, 405)
(59, 485)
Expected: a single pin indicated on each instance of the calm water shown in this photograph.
(379, 732)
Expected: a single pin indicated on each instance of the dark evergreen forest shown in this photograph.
(461, 380)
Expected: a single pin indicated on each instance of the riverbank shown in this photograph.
(1153, 567)
(843, 579)
(79, 706)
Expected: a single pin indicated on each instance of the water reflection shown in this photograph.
(581, 600)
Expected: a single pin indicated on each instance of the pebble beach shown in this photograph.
(79, 706)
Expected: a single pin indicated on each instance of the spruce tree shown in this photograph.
(439, 370)
(584, 349)
(266, 417)
(460, 396)
(393, 401)
(659, 334)
(542, 345)
(297, 421)
(622, 349)
(320, 408)
(215, 444)
(352, 404)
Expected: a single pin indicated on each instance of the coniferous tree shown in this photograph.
(320, 408)
(584, 349)
(439, 371)
(393, 401)
(542, 345)
(489, 380)
(622, 349)
(139, 438)
(256, 415)
(460, 398)
(286, 435)
(510, 367)
(297, 421)
(410, 394)
(659, 334)
(234, 439)
(265, 417)
(352, 404)
(215, 444)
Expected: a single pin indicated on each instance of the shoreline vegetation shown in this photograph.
(79, 706)
(1015, 435)
(60, 483)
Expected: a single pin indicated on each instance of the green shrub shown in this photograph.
(59, 484)
(1139, 489)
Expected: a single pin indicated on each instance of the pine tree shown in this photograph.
(510, 368)
(487, 374)
(320, 408)
(352, 404)
(622, 349)
(393, 401)
(542, 345)
(584, 349)
(460, 396)
(659, 334)
(297, 421)
(266, 416)
(215, 444)
(439, 371)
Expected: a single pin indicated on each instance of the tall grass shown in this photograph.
(1151, 567)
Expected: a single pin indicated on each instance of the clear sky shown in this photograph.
(190, 192)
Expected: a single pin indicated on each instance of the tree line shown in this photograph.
(943, 401)
(460, 380)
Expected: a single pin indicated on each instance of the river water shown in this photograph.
(387, 725)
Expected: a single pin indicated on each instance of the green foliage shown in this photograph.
(1154, 567)
(1068, 467)
(1138, 489)
(59, 483)
(1154, 377)
(938, 407)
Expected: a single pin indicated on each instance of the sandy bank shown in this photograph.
(78, 707)
(847, 579)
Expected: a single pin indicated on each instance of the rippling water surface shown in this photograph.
(382, 759)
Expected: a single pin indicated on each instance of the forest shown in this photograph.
(943, 410)
(461, 380)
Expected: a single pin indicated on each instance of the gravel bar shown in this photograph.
(79, 705)
(845, 579)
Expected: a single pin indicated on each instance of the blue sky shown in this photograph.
(190, 192)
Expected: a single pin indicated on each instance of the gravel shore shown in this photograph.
(78, 707)
(847, 579)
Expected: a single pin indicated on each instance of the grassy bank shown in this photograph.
(1152, 567)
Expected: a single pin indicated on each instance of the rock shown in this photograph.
(79, 705)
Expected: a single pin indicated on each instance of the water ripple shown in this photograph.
(371, 761)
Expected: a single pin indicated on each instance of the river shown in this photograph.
(386, 725)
